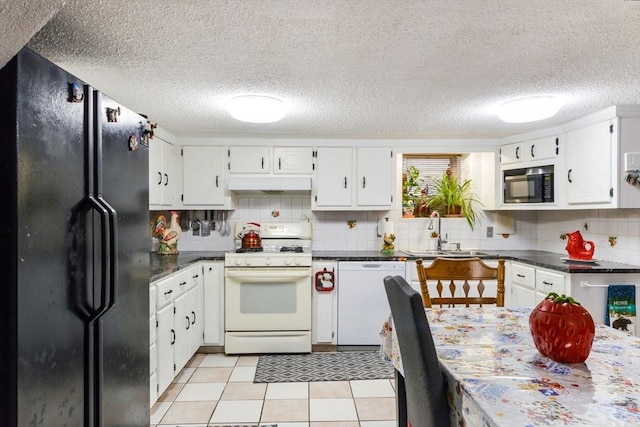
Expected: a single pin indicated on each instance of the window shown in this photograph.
(417, 173)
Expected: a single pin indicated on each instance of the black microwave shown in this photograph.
(528, 185)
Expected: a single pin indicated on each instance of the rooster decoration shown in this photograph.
(168, 236)
(388, 247)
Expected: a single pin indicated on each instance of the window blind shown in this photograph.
(432, 165)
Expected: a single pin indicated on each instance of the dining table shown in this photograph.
(496, 377)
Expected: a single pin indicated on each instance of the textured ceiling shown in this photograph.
(357, 68)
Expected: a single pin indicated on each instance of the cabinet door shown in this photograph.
(213, 303)
(292, 160)
(374, 177)
(162, 173)
(156, 177)
(589, 164)
(164, 345)
(332, 183)
(324, 306)
(203, 172)
(522, 297)
(182, 323)
(512, 153)
(254, 159)
(543, 148)
(169, 155)
(196, 328)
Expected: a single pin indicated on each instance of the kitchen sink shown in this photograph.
(425, 253)
(446, 254)
(462, 254)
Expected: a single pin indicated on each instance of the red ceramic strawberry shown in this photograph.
(562, 329)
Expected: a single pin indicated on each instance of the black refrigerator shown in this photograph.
(74, 233)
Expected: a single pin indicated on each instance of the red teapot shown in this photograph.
(579, 248)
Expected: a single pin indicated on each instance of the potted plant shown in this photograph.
(411, 191)
(452, 197)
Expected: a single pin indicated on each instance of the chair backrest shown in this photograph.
(426, 396)
(463, 272)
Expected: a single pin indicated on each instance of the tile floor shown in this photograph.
(215, 390)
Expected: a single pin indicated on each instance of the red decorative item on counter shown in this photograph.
(562, 329)
(579, 248)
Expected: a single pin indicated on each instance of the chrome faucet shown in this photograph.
(435, 214)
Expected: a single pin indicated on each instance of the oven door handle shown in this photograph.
(267, 274)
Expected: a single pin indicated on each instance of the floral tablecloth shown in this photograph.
(496, 377)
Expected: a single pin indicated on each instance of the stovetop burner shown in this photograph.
(297, 249)
(248, 250)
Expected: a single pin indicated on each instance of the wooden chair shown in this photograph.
(465, 271)
(421, 394)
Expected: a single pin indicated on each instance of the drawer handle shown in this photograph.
(168, 292)
(521, 275)
(183, 283)
(188, 322)
(194, 318)
(547, 283)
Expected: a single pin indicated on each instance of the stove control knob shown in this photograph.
(267, 261)
(287, 261)
(248, 261)
(237, 261)
(298, 261)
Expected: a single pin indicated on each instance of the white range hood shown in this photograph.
(270, 184)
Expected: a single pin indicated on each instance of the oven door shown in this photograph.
(268, 299)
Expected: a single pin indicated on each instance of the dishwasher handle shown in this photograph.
(372, 266)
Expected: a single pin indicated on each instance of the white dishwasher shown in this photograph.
(362, 300)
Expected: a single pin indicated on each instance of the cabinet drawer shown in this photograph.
(547, 281)
(523, 275)
(170, 288)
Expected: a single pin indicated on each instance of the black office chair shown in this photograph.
(423, 385)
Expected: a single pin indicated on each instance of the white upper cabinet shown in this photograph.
(588, 156)
(374, 177)
(249, 159)
(333, 180)
(204, 177)
(254, 159)
(163, 182)
(293, 160)
(353, 179)
(589, 161)
(524, 152)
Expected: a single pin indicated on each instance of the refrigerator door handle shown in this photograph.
(110, 257)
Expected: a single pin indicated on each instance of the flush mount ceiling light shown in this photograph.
(256, 108)
(529, 109)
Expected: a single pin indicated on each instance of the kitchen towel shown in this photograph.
(620, 312)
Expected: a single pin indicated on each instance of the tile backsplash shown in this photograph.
(358, 230)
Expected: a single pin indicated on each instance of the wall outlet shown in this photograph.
(489, 231)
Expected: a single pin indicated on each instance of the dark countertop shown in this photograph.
(163, 265)
(543, 259)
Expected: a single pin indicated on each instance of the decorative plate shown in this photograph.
(586, 261)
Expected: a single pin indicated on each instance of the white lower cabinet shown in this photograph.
(528, 285)
(522, 285)
(178, 328)
(324, 303)
(213, 275)
(188, 319)
(153, 352)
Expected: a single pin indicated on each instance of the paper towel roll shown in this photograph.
(386, 227)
